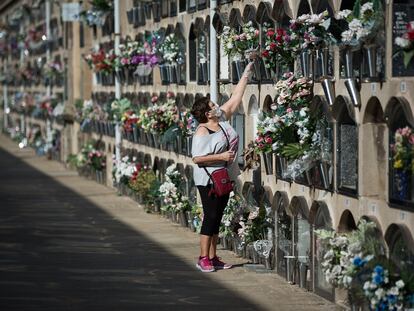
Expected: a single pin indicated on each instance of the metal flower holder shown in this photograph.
(268, 162)
(350, 81)
(306, 61)
(370, 54)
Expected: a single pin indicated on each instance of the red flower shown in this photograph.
(273, 46)
(265, 53)
(270, 33)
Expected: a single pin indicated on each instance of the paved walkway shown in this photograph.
(67, 243)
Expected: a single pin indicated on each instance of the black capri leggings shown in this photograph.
(213, 208)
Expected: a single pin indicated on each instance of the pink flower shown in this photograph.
(411, 139)
(268, 139)
(289, 110)
(256, 32)
(259, 139)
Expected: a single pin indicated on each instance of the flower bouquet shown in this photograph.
(97, 14)
(403, 161)
(406, 43)
(172, 58)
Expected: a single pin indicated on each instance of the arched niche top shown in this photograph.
(264, 12)
(373, 111)
(219, 21)
(188, 100)
(281, 9)
(267, 196)
(395, 107)
(298, 206)
(207, 24)
(198, 96)
(319, 213)
(303, 8)
(199, 25)
(268, 101)
(235, 19)
(170, 29)
(346, 222)
(342, 105)
(193, 34)
(247, 186)
(253, 105)
(318, 6)
(169, 162)
(395, 231)
(189, 171)
(156, 164)
(147, 159)
(180, 168)
(319, 102)
(375, 221)
(280, 200)
(179, 100)
(140, 37)
(179, 30)
(249, 13)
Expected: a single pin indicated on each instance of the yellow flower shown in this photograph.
(398, 164)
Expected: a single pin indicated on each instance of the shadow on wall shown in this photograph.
(59, 251)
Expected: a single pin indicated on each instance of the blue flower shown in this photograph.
(378, 279)
(357, 261)
(392, 299)
(379, 269)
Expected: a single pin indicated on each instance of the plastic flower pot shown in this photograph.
(173, 73)
(163, 73)
(370, 53)
(268, 161)
(156, 139)
(120, 76)
(305, 58)
(135, 133)
(150, 139)
(353, 91)
(329, 90)
(189, 145)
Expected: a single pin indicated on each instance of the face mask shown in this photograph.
(216, 111)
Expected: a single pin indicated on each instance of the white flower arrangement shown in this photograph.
(170, 50)
(362, 23)
(124, 169)
(174, 200)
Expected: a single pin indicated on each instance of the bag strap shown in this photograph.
(228, 147)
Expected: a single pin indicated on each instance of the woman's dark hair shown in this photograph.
(199, 109)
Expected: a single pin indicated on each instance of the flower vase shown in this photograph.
(150, 139)
(120, 76)
(163, 73)
(183, 219)
(322, 56)
(268, 162)
(353, 91)
(401, 189)
(189, 145)
(329, 90)
(135, 133)
(156, 139)
(238, 70)
(324, 174)
(281, 166)
(172, 73)
(349, 64)
(256, 69)
(303, 272)
(305, 63)
(371, 59)
(130, 16)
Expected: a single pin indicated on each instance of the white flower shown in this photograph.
(400, 284)
(229, 45)
(343, 14)
(402, 42)
(366, 7)
(380, 292)
(355, 25)
(361, 33)
(393, 291)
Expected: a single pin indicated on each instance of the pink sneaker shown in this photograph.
(218, 264)
(204, 264)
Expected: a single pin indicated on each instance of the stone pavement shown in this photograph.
(67, 243)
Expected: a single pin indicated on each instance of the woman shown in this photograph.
(212, 149)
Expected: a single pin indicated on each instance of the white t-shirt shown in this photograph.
(213, 144)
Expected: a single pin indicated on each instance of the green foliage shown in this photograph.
(357, 9)
(294, 150)
(72, 160)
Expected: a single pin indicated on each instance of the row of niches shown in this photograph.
(36, 73)
(346, 141)
(361, 61)
(292, 223)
